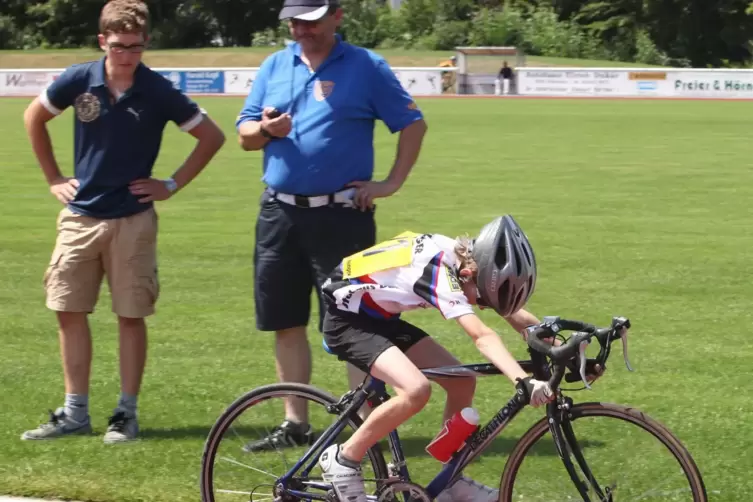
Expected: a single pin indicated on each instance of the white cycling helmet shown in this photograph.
(506, 266)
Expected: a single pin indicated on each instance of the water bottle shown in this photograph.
(453, 434)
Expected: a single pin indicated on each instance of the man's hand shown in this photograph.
(280, 126)
(152, 188)
(64, 189)
(367, 191)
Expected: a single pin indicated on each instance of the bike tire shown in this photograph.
(260, 394)
(607, 410)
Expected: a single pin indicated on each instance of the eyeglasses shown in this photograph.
(118, 48)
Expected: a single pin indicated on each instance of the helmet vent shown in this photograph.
(518, 299)
(518, 265)
(503, 292)
(500, 258)
(529, 261)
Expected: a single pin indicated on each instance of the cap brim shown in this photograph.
(304, 13)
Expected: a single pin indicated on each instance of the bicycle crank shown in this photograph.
(408, 492)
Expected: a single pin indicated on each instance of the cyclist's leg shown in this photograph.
(412, 392)
(428, 353)
(377, 347)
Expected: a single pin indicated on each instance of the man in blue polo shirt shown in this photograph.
(312, 109)
(109, 225)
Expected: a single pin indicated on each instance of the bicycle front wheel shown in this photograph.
(615, 453)
(247, 450)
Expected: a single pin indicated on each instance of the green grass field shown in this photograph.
(253, 56)
(635, 208)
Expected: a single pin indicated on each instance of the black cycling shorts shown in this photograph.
(360, 339)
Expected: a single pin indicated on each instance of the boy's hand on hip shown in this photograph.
(64, 189)
(152, 188)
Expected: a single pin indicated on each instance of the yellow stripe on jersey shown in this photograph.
(392, 253)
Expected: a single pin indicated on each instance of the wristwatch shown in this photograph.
(171, 185)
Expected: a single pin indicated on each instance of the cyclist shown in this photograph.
(365, 296)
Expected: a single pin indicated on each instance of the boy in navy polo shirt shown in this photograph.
(109, 225)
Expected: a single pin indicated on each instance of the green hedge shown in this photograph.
(445, 24)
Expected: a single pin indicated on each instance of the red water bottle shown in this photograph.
(453, 434)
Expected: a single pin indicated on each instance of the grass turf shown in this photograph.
(636, 208)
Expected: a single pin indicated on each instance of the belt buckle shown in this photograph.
(301, 201)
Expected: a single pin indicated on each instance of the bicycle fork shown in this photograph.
(566, 444)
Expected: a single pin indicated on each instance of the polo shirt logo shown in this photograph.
(323, 89)
(87, 107)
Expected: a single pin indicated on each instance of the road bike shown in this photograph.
(572, 463)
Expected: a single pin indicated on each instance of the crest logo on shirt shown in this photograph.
(87, 107)
(323, 89)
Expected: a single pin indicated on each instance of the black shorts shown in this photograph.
(360, 339)
(296, 249)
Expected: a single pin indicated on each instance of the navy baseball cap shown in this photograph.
(306, 10)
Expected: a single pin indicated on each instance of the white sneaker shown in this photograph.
(121, 428)
(347, 482)
(467, 490)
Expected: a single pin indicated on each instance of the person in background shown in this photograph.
(502, 83)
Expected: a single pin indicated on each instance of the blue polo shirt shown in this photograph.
(333, 111)
(116, 141)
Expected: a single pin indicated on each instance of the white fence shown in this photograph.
(529, 81)
(227, 81)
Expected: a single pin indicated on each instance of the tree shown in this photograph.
(237, 20)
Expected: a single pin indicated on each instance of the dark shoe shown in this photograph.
(286, 435)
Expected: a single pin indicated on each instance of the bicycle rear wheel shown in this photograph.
(233, 470)
(615, 452)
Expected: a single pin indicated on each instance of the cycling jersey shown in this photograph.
(407, 272)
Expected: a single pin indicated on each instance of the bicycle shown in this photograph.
(548, 362)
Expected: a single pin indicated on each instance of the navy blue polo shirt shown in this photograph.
(116, 141)
(333, 111)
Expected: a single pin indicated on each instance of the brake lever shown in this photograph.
(582, 355)
(623, 337)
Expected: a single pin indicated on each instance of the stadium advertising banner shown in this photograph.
(239, 81)
(555, 82)
(420, 81)
(26, 82)
(204, 82)
(417, 81)
(226, 81)
(636, 82)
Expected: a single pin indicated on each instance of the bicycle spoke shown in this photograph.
(226, 459)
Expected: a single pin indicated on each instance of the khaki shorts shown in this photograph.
(88, 249)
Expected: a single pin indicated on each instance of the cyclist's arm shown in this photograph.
(520, 320)
(491, 346)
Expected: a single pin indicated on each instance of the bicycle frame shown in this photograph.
(374, 391)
